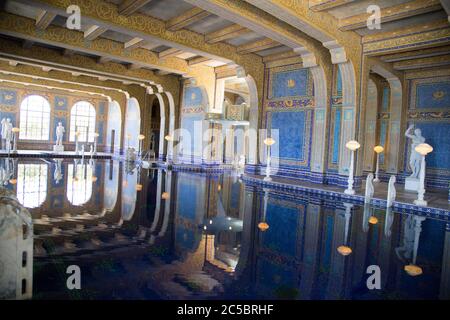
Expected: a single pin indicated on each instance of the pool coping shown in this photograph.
(358, 199)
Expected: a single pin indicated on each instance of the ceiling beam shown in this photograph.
(134, 66)
(27, 44)
(226, 33)
(94, 32)
(161, 73)
(198, 60)
(128, 7)
(424, 53)
(68, 52)
(74, 40)
(257, 46)
(425, 38)
(102, 60)
(401, 11)
(421, 63)
(80, 65)
(186, 18)
(133, 43)
(172, 52)
(322, 5)
(153, 30)
(44, 19)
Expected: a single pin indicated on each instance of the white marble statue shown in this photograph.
(60, 134)
(392, 193)
(369, 188)
(6, 133)
(414, 158)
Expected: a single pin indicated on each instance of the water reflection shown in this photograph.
(180, 235)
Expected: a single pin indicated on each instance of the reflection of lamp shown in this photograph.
(141, 137)
(344, 249)
(139, 187)
(413, 270)
(94, 178)
(373, 220)
(15, 131)
(219, 187)
(423, 149)
(378, 150)
(165, 195)
(13, 181)
(352, 146)
(268, 142)
(96, 135)
(263, 225)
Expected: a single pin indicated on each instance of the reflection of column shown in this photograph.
(158, 202)
(444, 292)
(386, 246)
(340, 237)
(16, 249)
(358, 266)
(248, 232)
(167, 203)
(311, 250)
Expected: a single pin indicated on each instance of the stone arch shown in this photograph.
(132, 124)
(162, 127)
(171, 104)
(318, 154)
(114, 124)
(348, 123)
(252, 135)
(395, 116)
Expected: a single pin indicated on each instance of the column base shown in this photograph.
(350, 192)
(421, 203)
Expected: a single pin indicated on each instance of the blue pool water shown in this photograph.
(156, 234)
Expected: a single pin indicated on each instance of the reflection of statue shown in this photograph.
(389, 220)
(392, 193)
(58, 172)
(369, 188)
(411, 235)
(59, 134)
(414, 158)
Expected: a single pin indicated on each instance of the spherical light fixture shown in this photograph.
(344, 250)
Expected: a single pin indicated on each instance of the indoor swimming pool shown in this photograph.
(155, 234)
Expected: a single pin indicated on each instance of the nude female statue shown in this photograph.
(414, 158)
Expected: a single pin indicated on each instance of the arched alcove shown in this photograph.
(370, 126)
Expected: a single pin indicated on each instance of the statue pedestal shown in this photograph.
(412, 184)
(58, 148)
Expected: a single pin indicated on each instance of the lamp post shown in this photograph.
(263, 225)
(96, 135)
(15, 131)
(352, 146)
(378, 150)
(268, 142)
(423, 149)
(141, 137)
(168, 138)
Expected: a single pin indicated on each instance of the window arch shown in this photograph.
(31, 184)
(79, 183)
(82, 119)
(34, 118)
